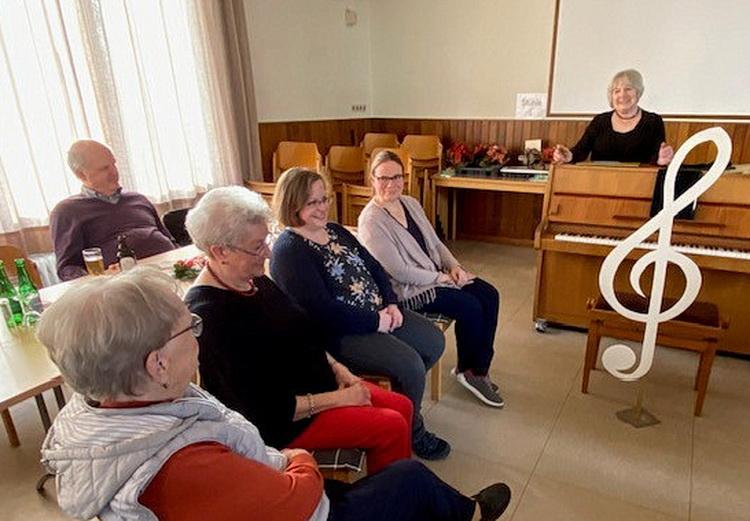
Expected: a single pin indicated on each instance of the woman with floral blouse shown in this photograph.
(323, 267)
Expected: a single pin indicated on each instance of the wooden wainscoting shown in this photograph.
(507, 215)
(509, 132)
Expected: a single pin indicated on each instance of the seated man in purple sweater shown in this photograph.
(101, 212)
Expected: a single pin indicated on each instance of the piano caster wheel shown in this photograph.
(540, 325)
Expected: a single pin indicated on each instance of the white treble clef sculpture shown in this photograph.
(619, 358)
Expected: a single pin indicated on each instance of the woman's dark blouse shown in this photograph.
(344, 296)
(258, 353)
(413, 229)
(640, 145)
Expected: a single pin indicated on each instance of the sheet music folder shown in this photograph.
(687, 176)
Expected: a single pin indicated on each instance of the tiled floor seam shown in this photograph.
(692, 468)
(546, 441)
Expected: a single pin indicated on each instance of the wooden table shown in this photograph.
(25, 369)
(441, 185)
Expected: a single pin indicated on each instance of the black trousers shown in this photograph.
(405, 490)
(475, 308)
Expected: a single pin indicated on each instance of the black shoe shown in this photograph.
(430, 447)
(492, 501)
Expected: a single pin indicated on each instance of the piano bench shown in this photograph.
(699, 328)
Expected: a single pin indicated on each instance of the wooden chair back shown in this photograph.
(423, 148)
(9, 253)
(345, 164)
(426, 154)
(353, 199)
(266, 190)
(289, 154)
(373, 140)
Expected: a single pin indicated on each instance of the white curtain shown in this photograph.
(135, 74)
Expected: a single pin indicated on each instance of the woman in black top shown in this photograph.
(627, 133)
(264, 357)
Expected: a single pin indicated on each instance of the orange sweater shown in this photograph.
(209, 481)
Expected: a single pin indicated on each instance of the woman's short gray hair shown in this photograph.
(100, 332)
(222, 215)
(632, 76)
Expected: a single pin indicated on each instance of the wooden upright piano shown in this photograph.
(588, 209)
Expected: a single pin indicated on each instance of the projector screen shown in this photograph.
(694, 55)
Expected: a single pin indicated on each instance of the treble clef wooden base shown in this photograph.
(637, 416)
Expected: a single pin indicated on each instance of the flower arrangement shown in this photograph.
(189, 269)
(483, 155)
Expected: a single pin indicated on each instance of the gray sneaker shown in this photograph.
(494, 386)
(481, 387)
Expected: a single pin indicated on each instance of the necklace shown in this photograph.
(247, 293)
(637, 112)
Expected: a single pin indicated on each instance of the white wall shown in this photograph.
(693, 55)
(307, 64)
(448, 59)
(404, 58)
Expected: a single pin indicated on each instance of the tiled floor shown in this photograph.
(564, 454)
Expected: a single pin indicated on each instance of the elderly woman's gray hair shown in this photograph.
(631, 76)
(221, 216)
(100, 332)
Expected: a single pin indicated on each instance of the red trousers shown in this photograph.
(383, 431)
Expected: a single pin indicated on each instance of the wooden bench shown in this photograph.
(699, 328)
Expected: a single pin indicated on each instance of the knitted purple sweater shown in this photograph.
(80, 222)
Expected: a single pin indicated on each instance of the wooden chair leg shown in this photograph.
(704, 372)
(60, 396)
(592, 353)
(10, 429)
(436, 380)
(43, 412)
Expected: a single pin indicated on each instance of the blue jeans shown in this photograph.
(404, 356)
(405, 490)
(475, 308)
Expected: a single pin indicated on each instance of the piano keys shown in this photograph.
(588, 209)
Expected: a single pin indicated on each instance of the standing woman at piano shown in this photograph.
(427, 278)
(627, 133)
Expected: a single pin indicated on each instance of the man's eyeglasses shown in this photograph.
(318, 202)
(388, 179)
(196, 326)
(258, 251)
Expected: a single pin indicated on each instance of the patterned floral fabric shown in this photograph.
(350, 280)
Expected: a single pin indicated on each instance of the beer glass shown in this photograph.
(94, 261)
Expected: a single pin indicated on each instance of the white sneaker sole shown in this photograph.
(476, 393)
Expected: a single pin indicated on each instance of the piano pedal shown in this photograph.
(540, 325)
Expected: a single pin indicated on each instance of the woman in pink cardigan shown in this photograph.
(427, 278)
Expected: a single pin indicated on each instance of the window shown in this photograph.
(132, 74)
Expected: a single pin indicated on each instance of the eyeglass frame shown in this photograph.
(266, 245)
(326, 199)
(196, 326)
(386, 179)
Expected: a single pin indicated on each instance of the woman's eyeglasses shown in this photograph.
(389, 179)
(318, 202)
(196, 326)
(260, 250)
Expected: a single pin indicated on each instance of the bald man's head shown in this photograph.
(95, 165)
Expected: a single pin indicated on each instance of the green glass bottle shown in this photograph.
(9, 292)
(28, 294)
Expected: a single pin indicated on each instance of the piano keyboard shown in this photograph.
(682, 248)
